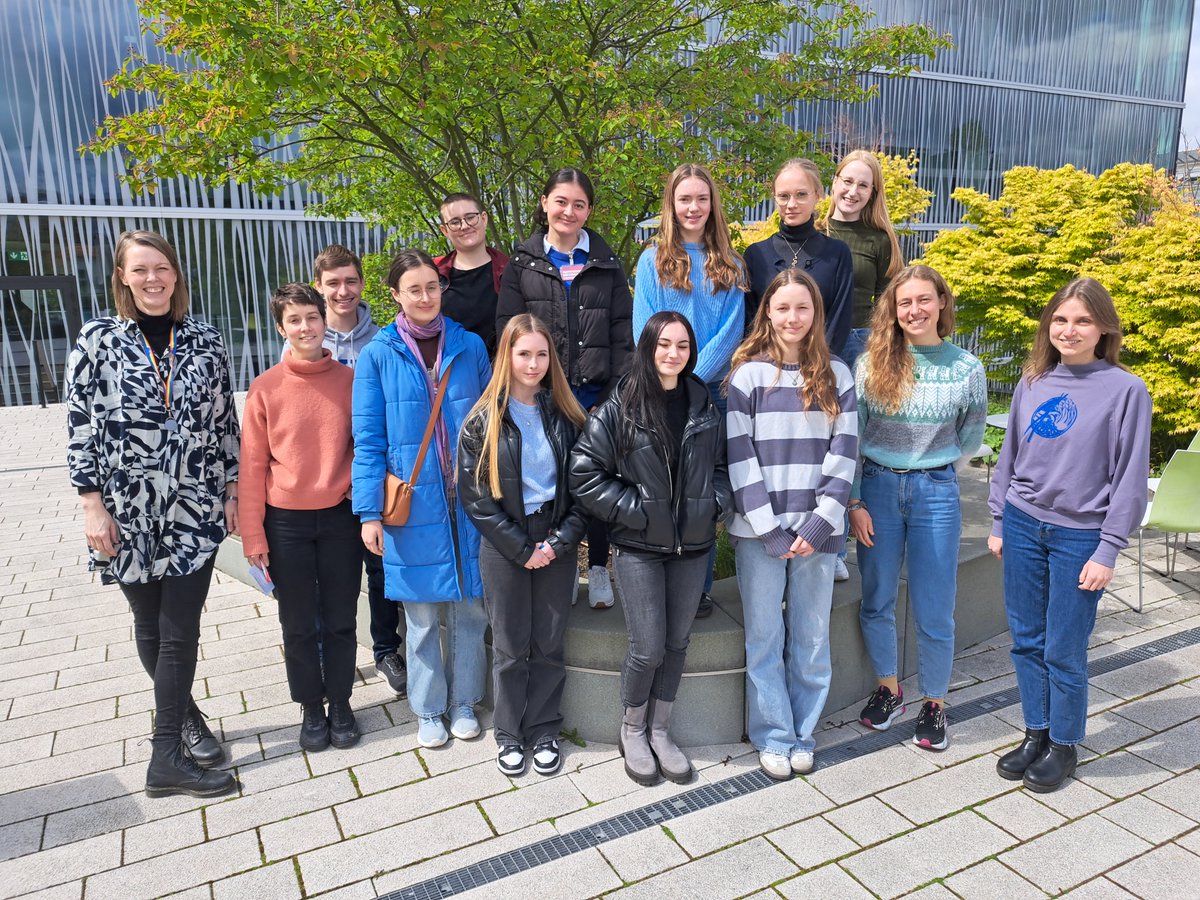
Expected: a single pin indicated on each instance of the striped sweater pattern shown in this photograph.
(791, 467)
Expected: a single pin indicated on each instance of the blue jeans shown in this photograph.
(1050, 619)
(788, 667)
(714, 391)
(917, 516)
(436, 684)
(856, 343)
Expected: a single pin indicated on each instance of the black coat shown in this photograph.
(634, 491)
(593, 333)
(502, 522)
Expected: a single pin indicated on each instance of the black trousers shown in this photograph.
(527, 609)
(597, 538)
(385, 614)
(316, 564)
(166, 629)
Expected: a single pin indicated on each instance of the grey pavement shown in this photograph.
(75, 712)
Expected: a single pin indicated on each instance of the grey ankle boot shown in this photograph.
(671, 762)
(639, 761)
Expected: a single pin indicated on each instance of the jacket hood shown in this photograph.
(346, 345)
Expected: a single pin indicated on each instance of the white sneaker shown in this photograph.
(840, 572)
(777, 765)
(463, 724)
(600, 592)
(802, 761)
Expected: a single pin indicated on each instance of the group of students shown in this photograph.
(799, 393)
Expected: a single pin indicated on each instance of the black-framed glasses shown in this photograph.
(460, 222)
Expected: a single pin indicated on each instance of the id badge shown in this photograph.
(569, 272)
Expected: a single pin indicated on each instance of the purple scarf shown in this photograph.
(411, 333)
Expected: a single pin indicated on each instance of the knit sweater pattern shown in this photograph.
(790, 465)
(297, 447)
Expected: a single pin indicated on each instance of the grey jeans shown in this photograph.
(659, 596)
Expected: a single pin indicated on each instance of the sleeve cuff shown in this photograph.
(816, 531)
(1106, 554)
(777, 542)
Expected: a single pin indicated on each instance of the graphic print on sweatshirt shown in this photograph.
(1052, 419)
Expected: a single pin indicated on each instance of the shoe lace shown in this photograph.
(313, 714)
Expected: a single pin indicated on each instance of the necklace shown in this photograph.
(796, 251)
(794, 375)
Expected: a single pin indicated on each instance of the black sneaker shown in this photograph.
(931, 727)
(391, 667)
(704, 610)
(882, 709)
(314, 727)
(511, 759)
(547, 759)
(343, 727)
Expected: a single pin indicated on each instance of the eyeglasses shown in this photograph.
(799, 197)
(460, 222)
(416, 293)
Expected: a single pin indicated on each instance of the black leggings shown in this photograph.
(166, 627)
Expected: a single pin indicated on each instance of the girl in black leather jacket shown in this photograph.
(651, 463)
(513, 455)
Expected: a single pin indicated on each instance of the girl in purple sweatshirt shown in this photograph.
(1069, 488)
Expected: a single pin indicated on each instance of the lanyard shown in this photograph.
(168, 382)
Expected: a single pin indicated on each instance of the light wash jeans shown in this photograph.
(788, 668)
(917, 516)
(1050, 619)
(436, 684)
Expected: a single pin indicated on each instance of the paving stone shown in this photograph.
(14, 753)
(1181, 793)
(1161, 873)
(585, 818)
(969, 739)
(299, 834)
(827, 881)
(200, 892)
(19, 839)
(642, 854)
(252, 810)
(120, 635)
(388, 772)
(361, 890)
(60, 768)
(868, 821)
(906, 862)
(1100, 889)
(1177, 749)
(391, 848)
(105, 731)
(110, 668)
(63, 795)
(870, 774)
(1121, 774)
(989, 880)
(1074, 853)
(580, 875)
(931, 892)
(1142, 677)
(277, 882)
(60, 865)
(812, 843)
(420, 799)
(263, 775)
(1149, 820)
(127, 811)
(742, 817)
(71, 891)
(739, 870)
(163, 836)
(1020, 815)
(536, 802)
(1111, 731)
(20, 662)
(1074, 799)
(947, 791)
(186, 868)
(1163, 709)
(605, 781)
(730, 758)
(378, 743)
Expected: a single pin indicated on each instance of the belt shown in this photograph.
(907, 471)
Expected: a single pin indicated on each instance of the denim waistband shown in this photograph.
(907, 471)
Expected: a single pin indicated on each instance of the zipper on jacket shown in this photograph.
(689, 431)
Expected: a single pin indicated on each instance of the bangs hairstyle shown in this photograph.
(643, 398)
(335, 256)
(819, 390)
(890, 364)
(566, 175)
(295, 294)
(722, 265)
(809, 168)
(123, 296)
(406, 261)
(1099, 302)
(492, 406)
(875, 212)
(460, 196)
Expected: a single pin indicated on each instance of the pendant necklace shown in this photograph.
(797, 251)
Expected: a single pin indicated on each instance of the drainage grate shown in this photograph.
(523, 859)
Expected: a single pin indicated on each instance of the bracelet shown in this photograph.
(857, 504)
(233, 498)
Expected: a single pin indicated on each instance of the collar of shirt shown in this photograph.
(585, 243)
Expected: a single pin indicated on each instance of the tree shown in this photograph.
(1129, 228)
(384, 106)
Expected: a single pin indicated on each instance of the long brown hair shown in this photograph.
(1099, 302)
(819, 389)
(722, 265)
(123, 295)
(889, 363)
(493, 404)
(875, 212)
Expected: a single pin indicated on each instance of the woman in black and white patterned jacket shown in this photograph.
(153, 449)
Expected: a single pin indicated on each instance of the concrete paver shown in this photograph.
(1074, 853)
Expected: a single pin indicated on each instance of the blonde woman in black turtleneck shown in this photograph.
(798, 244)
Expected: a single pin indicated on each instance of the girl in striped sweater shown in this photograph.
(793, 439)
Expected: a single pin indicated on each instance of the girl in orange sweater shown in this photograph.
(296, 454)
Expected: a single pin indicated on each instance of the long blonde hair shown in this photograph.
(819, 389)
(493, 404)
(875, 212)
(890, 377)
(722, 265)
(1099, 302)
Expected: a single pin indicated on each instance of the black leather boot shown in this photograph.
(314, 727)
(1012, 765)
(198, 741)
(343, 729)
(1051, 769)
(172, 771)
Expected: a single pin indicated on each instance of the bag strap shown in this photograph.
(437, 407)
